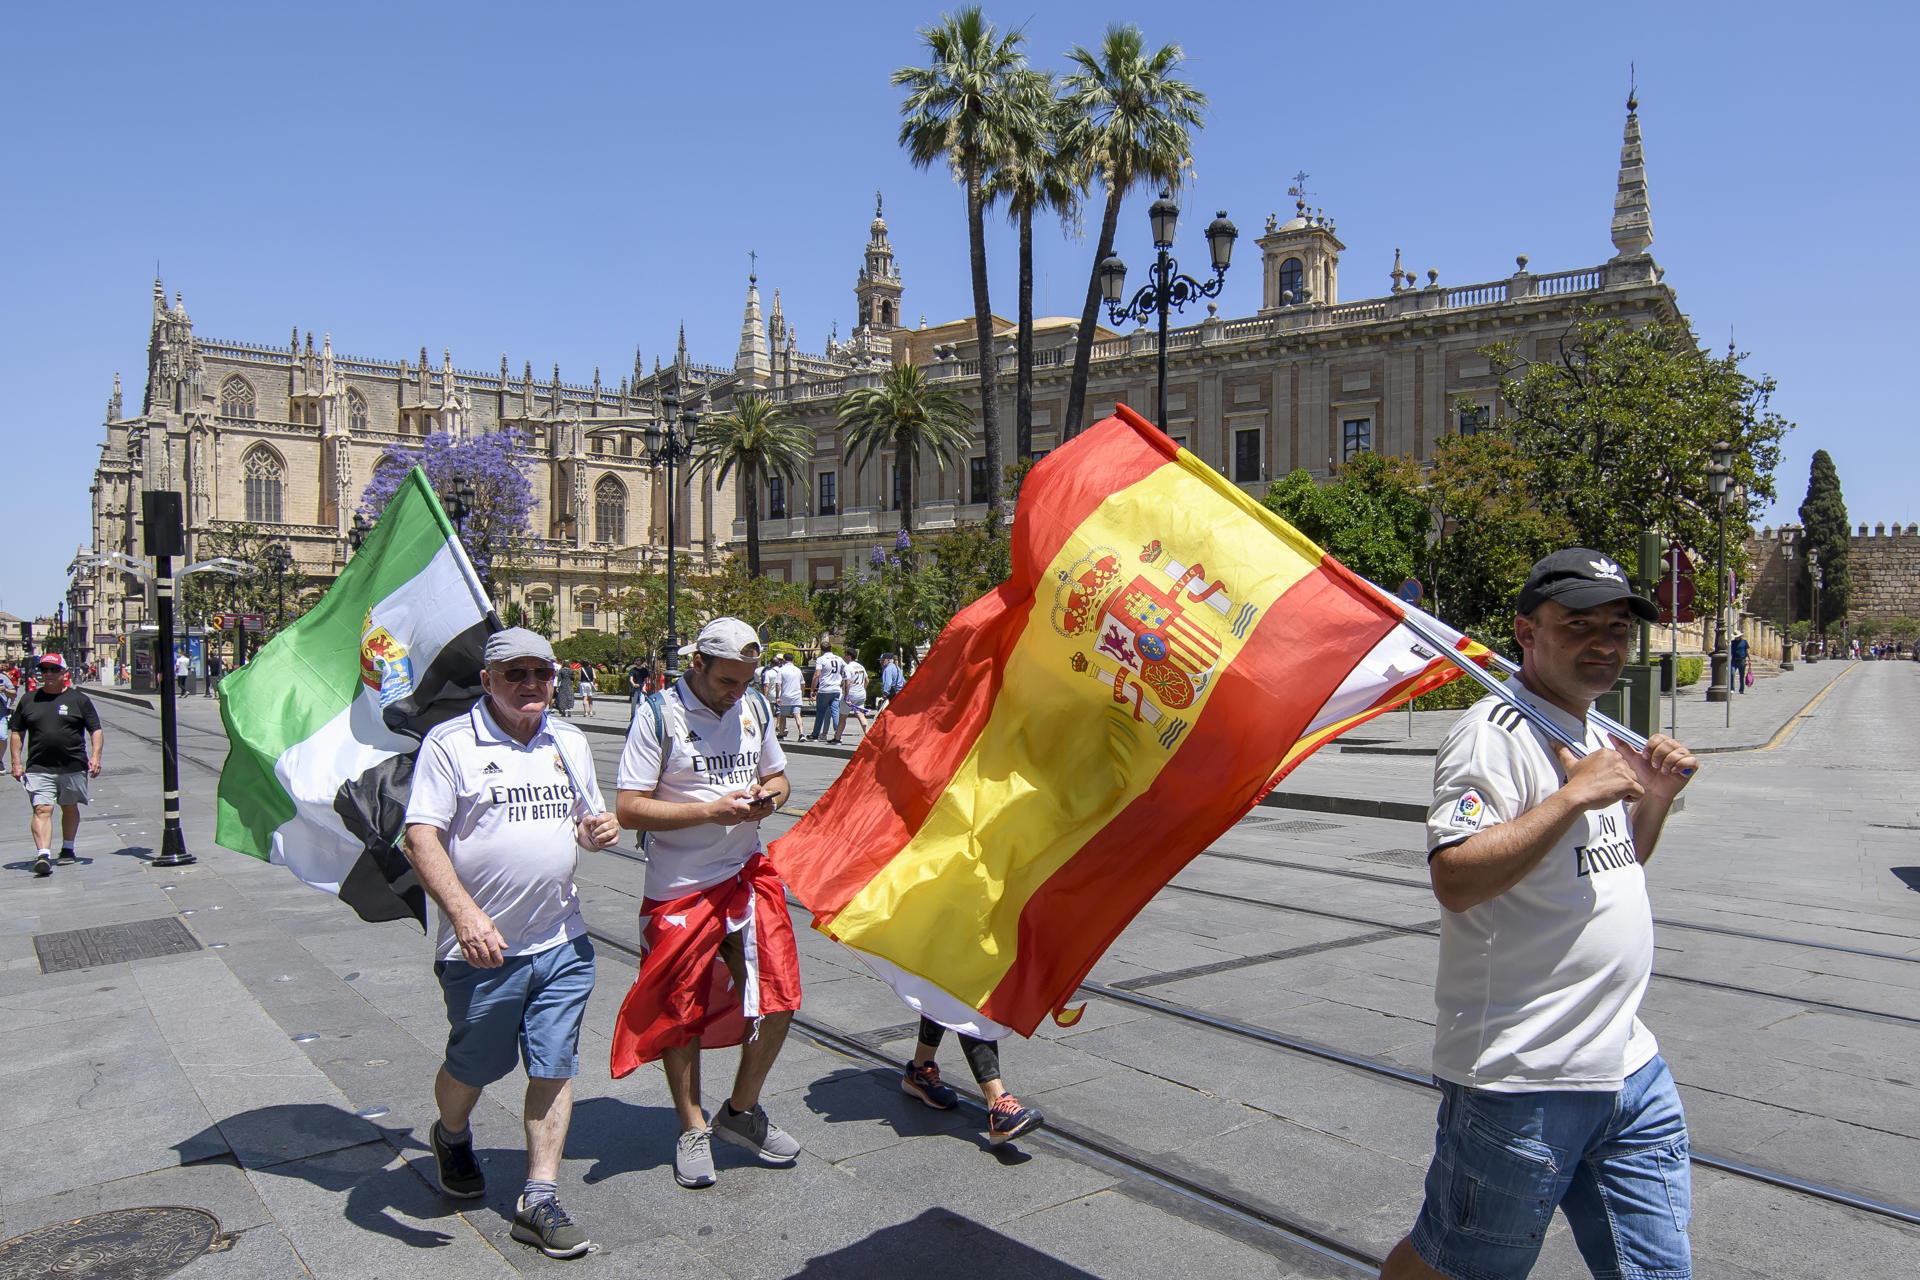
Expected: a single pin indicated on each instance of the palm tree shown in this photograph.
(1038, 172)
(1132, 123)
(758, 438)
(912, 414)
(958, 109)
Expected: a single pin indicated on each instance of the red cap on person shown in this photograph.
(53, 660)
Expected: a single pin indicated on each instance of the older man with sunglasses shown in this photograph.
(503, 799)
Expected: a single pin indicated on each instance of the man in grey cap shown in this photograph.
(1552, 1092)
(503, 799)
(721, 966)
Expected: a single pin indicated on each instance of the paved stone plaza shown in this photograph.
(280, 1078)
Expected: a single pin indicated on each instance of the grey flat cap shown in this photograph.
(517, 642)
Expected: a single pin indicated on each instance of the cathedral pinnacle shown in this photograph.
(1632, 213)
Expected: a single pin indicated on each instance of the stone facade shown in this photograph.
(1883, 563)
(1305, 382)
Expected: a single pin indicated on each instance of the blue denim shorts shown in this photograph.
(1614, 1163)
(530, 1007)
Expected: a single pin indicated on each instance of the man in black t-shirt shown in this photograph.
(56, 739)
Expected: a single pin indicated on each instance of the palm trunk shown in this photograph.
(751, 474)
(983, 332)
(1023, 389)
(903, 459)
(1090, 317)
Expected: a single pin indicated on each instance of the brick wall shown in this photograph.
(1883, 562)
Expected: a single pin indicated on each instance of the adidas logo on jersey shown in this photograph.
(492, 768)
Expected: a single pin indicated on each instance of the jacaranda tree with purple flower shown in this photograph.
(497, 527)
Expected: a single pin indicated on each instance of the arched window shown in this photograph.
(886, 313)
(1292, 279)
(265, 479)
(609, 511)
(356, 410)
(236, 398)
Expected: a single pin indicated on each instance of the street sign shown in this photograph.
(1676, 577)
(1410, 591)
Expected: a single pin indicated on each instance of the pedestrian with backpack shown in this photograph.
(700, 771)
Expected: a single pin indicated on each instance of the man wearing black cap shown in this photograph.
(1552, 1091)
(55, 740)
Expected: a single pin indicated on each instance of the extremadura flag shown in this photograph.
(324, 722)
(1164, 651)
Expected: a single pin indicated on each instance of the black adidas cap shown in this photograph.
(1581, 579)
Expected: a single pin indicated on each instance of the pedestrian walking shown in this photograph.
(1552, 1092)
(720, 965)
(892, 680)
(215, 669)
(853, 700)
(503, 799)
(788, 686)
(54, 740)
(563, 685)
(1007, 1119)
(828, 674)
(182, 671)
(1740, 652)
(586, 687)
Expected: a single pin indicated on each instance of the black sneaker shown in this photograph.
(547, 1228)
(459, 1173)
(68, 855)
(42, 865)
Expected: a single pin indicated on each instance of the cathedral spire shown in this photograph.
(750, 361)
(113, 402)
(1632, 214)
(876, 292)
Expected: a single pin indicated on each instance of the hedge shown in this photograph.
(1688, 672)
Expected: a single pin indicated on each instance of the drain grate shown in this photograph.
(130, 1244)
(1398, 857)
(880, 1037)
(1293, 826)
(113, 944)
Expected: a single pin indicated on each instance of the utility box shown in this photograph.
(1637, 681)
(1613, 703)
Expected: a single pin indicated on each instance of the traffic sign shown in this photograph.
(1671, 583)
(1411, 591)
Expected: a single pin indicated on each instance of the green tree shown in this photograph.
(1039, 172)
(1620, 423)
(912, 415)
(1481, 489)
(1131, 124)
(781, 609)
(279, 600)
(761, 441)
(958, 109)
(1373, 518)
(1824, 513)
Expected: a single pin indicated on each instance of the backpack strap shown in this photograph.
(762, 711)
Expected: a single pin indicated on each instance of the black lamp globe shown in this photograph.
(1165, 215)
(1221, 233)
(1113, 279)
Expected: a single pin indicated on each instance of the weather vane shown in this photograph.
(1299, 188)
(753, 264)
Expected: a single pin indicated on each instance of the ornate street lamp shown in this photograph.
(1720, 480)
(1166, 288)
(358, 533)
(1819, 584)
(460, 500)
(668, 443)
(278, 560)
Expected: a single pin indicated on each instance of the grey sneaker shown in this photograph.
(459, 1173)
(693, 1159)
(752, 1130)
(42, 865)
(547, 1228)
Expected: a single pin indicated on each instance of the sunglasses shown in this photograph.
(527, 675)
(51, 671)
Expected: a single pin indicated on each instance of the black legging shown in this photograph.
(983, 1056)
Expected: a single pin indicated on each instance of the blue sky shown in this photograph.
(567, 182)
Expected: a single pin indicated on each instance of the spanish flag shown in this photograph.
(1164, 651)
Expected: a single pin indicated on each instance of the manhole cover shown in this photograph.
(127, 1244)
(113, 944)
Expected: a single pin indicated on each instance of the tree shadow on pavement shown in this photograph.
(344, 1153)
(936, 1245)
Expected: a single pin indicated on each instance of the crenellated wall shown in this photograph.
(1883, 562)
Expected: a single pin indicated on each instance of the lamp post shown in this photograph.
(460, 499)
(358, 533)
(278, 560)
(1166, 288)
(1720, 479)
(668, 443)
(1819, 582)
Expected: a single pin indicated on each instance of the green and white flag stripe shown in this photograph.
(304, 715)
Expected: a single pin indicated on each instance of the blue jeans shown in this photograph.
(826, 708)
(1614, 1162)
